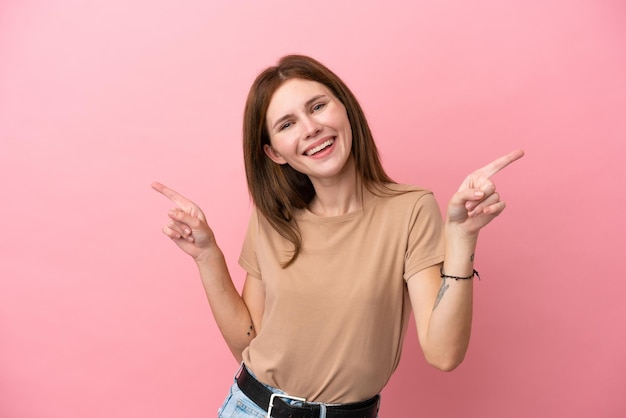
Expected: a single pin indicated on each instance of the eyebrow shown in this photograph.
(306, 104)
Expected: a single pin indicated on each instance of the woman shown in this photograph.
(336, 255)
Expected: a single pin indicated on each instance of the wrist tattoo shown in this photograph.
(472, 257)
(250, 330)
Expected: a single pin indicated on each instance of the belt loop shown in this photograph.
(322, 410)
(238, 372)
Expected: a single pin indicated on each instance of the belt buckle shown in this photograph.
(279, 395)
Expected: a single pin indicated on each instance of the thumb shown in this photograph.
(467, 197)
(183, 218)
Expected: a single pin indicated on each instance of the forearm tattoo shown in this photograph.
(442, 290)
(444, 287)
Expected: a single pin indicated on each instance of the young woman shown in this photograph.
(336, 255)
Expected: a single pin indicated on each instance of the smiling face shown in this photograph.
(308, 129)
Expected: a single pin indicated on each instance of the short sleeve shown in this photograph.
(248, 259)
(425, 246)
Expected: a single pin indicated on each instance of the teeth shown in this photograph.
(320, 147)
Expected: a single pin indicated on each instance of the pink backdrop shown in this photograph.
(101, 316)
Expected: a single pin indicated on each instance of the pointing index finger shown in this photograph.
(171, 194)
(499, 163)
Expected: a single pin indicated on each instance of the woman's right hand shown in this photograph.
(188, 227)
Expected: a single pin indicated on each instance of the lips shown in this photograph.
(319, 147)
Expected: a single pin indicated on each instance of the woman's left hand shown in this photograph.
(476, 202)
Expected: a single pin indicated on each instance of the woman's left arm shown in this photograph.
(443, 305)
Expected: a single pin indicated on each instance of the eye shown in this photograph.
(284, 126)
(318, 106)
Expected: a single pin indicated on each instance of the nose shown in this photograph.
(311, 126)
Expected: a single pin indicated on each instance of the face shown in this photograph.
(309, 129)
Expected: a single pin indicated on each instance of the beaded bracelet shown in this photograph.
(445, 276)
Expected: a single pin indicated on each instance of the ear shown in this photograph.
(273, 154)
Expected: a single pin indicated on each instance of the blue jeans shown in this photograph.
(238, 405)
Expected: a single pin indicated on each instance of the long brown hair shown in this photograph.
(278, 190)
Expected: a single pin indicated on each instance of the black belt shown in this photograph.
(260, 395)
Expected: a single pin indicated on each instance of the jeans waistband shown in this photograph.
(278, 408)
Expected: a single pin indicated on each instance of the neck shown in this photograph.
(339, 195)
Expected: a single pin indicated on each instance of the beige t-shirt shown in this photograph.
(335, 319)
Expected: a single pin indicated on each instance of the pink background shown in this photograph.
(101, 316)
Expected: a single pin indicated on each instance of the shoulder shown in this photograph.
(405, 201)
(402, 194)
(258, 224)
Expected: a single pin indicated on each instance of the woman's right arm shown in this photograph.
(237, 316)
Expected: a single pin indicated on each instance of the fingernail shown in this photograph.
(187, 231)
(479, 193)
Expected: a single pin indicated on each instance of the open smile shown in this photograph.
(319, 147)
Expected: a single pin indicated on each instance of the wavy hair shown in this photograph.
(278, 190)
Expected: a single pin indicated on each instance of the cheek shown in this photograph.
(347, 128)
(285, 143)
(341, 119)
